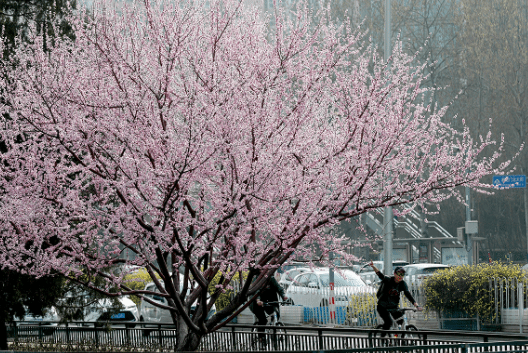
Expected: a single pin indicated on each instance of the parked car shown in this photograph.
(287, 277)
(312, 288)
(370, 277)
(150, 313)
(48, 321)
(287, 267)
(105, 311)
(416, 273)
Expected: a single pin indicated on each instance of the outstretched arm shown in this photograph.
(378, 272)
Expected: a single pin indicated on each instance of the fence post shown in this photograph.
(96, 329)
(233, 340)
(320, 334)
(15, 331)
(127, 330)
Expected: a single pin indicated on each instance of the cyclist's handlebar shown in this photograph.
(276, 302)
(402, 309)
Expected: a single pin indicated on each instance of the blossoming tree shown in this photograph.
(207, 142)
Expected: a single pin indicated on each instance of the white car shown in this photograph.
(150, 313)
(287, 277)
(370, 277)
(48, 321)
(104, 311)
(312, 289)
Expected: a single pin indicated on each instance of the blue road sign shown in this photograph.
(509, 181)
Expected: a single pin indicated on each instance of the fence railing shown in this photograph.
(510, 298)
(508, 295)
(355, 307)
(242, 338)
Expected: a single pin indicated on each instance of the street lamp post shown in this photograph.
(388, 216)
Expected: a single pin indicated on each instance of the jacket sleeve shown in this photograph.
(277, 287)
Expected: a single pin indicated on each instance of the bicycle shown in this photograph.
(274, 332)
(403, 335)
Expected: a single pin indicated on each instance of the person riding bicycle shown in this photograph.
(266, 302)
(389, 296)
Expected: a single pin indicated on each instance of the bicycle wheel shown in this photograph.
(379, 338)
(411, 337)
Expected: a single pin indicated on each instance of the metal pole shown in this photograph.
(525, 194)
(388, 240)
(387, 30)
(388, 217)
(520, 297)
(469, 240)
(331, 301)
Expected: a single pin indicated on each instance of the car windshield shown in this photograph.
(340, 281)
(394, 265)
(430, 270)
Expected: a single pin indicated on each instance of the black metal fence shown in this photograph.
(243, 338)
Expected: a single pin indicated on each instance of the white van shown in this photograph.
(104, 311)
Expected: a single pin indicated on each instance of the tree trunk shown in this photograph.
(3, 332)
(188, 340)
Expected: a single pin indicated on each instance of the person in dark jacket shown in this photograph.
(389, 297)
(267, 302)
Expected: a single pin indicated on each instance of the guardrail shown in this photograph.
(242, 338)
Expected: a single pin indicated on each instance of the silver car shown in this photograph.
(312, 289)
(150, 313)
(287, 277)
(416, 273)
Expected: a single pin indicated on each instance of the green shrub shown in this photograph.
(224, 298)
(362, 306)
(466, 288)
(137, 280)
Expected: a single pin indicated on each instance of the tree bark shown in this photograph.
(188, 340)
(3, 332)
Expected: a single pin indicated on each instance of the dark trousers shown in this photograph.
(260, 314)
(386, 316)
